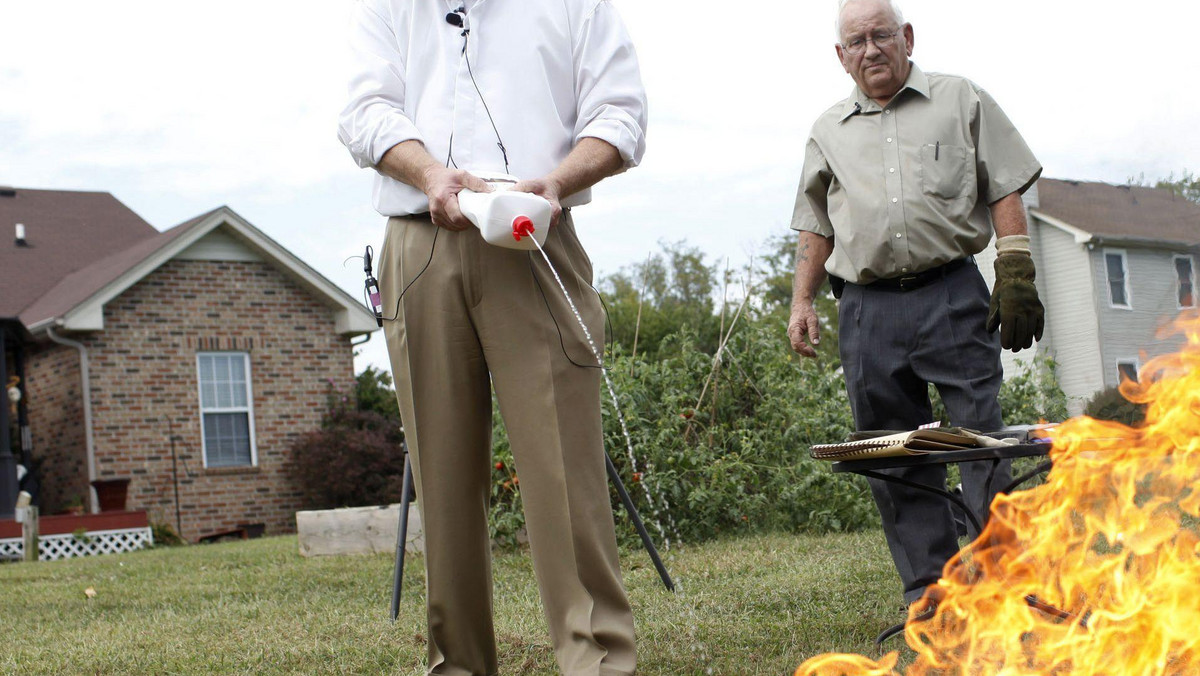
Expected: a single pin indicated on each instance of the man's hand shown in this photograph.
(1015, 308)
(547, 189)
(442, 185)
(804, 324)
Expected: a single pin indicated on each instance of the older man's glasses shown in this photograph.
(881, 41)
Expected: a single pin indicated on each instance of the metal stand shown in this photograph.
(637, 523)
(867, 467)
(407, 495)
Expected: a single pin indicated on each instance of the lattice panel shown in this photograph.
(67, 545)
(11, 547)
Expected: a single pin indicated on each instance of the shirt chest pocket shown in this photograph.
(944, 171)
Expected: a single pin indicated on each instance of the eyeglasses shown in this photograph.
(881, 40)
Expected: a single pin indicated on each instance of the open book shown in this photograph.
(916, 442)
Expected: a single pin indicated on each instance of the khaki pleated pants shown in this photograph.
(476, 310)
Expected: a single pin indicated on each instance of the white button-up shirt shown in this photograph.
(550, 72)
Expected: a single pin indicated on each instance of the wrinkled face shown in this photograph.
(879, 70)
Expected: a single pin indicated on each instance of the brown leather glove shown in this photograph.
(1015, 308)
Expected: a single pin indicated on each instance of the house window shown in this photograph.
(1118, 280)
(226, 409)
(1127, 369)
(1185, 276)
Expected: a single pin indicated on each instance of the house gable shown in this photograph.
(77, 303)
(218, 246)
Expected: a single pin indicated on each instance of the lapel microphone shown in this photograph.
(458, 19)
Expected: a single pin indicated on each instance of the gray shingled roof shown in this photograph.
(1121, 211)
(79, 285)
(84, 245)
(66, 231)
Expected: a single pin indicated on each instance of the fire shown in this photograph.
(1093, 572)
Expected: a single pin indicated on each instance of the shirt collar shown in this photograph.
(860, 102)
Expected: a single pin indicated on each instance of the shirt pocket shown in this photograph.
(944, 171)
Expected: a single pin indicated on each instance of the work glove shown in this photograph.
(1015, 308)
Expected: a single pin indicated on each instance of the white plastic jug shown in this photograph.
(506, 218)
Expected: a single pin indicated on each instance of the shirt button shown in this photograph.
(898, 235)
(887, 112)
(895, 199)
(903, 269)
(889, 139)
(892, 170)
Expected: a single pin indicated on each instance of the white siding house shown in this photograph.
(1115, 265)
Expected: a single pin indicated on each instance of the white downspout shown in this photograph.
(93, 504)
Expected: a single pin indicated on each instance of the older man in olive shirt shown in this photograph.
(904, 181)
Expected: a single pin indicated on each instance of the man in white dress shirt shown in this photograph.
(548, 91)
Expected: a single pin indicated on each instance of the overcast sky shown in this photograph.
(176, 108)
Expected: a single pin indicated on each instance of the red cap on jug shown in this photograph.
(522, 227)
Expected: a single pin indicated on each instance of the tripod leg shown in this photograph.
(637, 523)
(405, 498)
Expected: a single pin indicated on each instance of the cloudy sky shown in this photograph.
(177, 108)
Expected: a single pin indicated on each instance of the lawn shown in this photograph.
(750, 605)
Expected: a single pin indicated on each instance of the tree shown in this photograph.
(672, 289)
(1186, 186)
(373, 392)
(776, 268)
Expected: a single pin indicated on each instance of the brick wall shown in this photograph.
(56, 424)
(144, 386)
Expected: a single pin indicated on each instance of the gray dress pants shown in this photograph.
(893, 343)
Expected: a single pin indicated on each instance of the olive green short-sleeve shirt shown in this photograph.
(906, 188)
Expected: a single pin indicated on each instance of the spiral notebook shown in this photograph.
(916, 442)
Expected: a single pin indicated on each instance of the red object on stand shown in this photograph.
(111, 494)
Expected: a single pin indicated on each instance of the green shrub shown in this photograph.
(353, 460)
(1110, 404)
(737, 463)
(1033, 394)
(165, 535)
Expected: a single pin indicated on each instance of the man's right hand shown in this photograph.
(804, 324)
(441, 186)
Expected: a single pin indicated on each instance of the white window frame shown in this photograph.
(1128, 305)
(1129, 361)
(248, 409)
(1175, 277)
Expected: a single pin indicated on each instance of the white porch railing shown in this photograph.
(91, 543)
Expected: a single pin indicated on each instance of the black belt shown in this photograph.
(917, 279)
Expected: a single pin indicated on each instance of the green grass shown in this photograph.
(751, 605)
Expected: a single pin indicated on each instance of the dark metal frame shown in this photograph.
(408, 494)
(12, 334)
(868, 467)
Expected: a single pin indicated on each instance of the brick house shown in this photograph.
(187, 360)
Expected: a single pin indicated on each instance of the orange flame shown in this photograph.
(1094, 571)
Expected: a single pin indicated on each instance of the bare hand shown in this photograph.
(803, 324)
(547, 190)
(442, 186)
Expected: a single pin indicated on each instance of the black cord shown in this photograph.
(466, 34)
(561, 341)
(499, 141)
(432, 247)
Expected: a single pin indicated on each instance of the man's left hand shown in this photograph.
(1015, 307)
(548, 190)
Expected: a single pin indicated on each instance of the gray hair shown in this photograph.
(837, 23)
